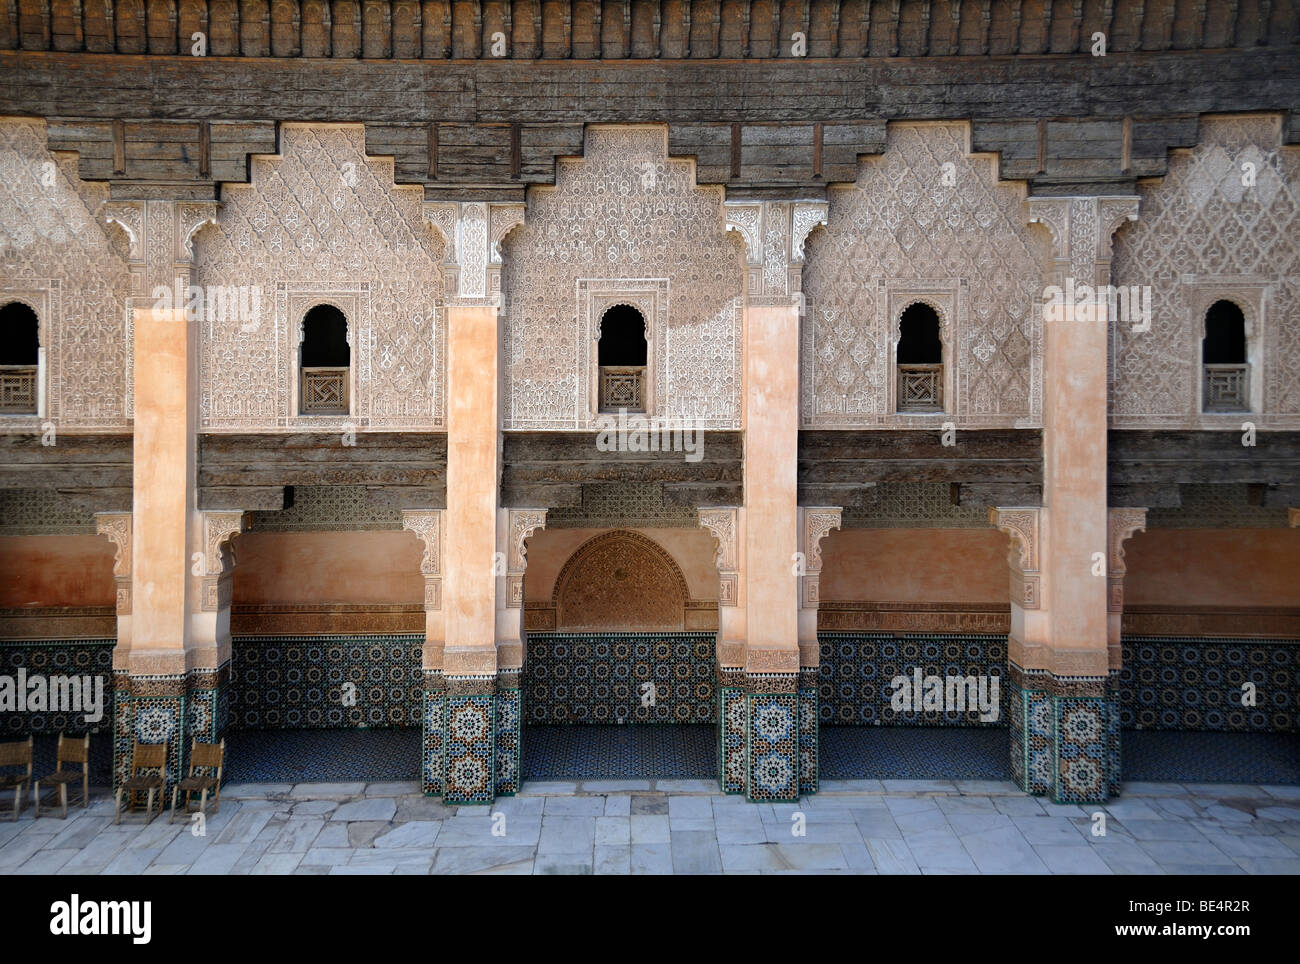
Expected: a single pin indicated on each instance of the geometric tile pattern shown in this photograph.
(808, 755)
(295, 682)
(321, 756)
(470, 749)
(1032, 733)
(733, 712)
(854, 678)
(434, 738)
(773, 751)
(603, 677)
(149, 710)
(1081, 749)
(1061, 745)
(507, 741)
(57, 657)
(1182, 683)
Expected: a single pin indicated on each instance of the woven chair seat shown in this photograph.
(9, 780)
(61, 776)
(196, 784)
(143, 783)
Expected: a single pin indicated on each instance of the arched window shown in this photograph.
(325, 362)
(19, 359)
(621, 354)
(1226, 385)
(920, 360)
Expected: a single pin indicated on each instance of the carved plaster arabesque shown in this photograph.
(624, 210)
(57, 242)
(1023, 525)
(722, 524)
(1082, 230)
(323, 219)
(1202, 227)
(924, 213)
(116, 527)
(1121, 524)
(774, 233)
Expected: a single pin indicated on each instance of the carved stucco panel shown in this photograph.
(55, 241)
(1227, 215)
(924, 211)
(627, 211)
(318, 219)
(620, 580)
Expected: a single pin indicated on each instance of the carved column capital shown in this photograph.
(774, 234)
(219, 530)
(1081, 230)
(1023, 524)
(815, 523)
(523, 523)
(472, 232)
(1120, 525)
(116, 527)
(427, 525)
(722, 524)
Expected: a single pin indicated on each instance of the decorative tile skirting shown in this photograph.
(1185, 683)
(854, 678)
(294, 682)
(772, 731)
(470, 749)
(733, 714)
(599, 677)
(57, 657)
(470, 752)
(150, 709)
(1064, 740)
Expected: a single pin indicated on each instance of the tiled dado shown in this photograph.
(1186, 683)
(78, 658)
(606, 678)
(854, 678)
(471, 745)
(1064, 736)
(171, 709)
(309, 682)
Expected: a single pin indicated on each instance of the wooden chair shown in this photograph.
(72, 752)
(206, 757)
(17, 754)
(144, 757)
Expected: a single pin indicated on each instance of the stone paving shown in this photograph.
(679, 826)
